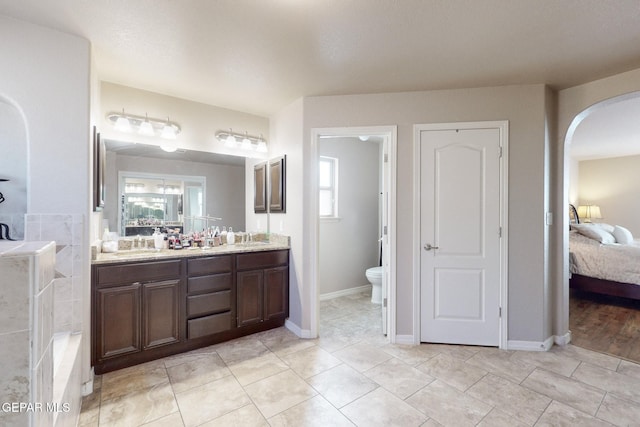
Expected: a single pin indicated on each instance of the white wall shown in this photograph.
(225, 186)
(286, 139)
(349, 245)
(613, 184)
(525, 108)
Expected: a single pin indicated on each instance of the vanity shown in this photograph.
(151, 304)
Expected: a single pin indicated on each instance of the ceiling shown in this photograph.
(258, 56)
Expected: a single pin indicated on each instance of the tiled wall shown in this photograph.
(67, 232)
(26, 281)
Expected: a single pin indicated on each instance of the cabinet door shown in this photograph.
(250, 297)
(118, 317)
(276, 292)
(161, 313)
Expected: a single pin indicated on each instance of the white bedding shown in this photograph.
(588, 257)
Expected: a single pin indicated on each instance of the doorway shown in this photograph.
(600, 149)
(461, 223)
(386, 135)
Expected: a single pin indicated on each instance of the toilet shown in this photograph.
(374, 276)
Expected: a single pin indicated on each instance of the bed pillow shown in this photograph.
(622, 235)
(594, 232)
(606, 227)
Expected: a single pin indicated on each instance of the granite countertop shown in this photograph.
(153, 255)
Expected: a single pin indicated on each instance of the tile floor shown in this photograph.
(352, 376)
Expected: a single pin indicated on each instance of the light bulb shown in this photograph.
(262, 145)
(246, 142)
(122, 123)
(168, 131)
(231, 140)
(145, 127)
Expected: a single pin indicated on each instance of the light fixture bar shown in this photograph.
(242, 140)
(144, 125)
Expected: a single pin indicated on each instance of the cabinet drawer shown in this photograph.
(209, 265)
(138, 272)
(256, 260)
(209, 325)
(208, 303)
(213, 283)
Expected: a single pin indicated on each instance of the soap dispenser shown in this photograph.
(231, 237)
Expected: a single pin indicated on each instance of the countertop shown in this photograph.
(154, 255)
(275, 242)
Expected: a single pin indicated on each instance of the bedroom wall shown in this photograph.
(613, 185)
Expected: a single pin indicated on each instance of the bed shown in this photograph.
(603, 259)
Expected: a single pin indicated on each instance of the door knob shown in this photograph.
(428, 247)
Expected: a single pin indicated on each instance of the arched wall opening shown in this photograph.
(14, 168)
(563, 324)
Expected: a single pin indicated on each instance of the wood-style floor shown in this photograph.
(606, 324)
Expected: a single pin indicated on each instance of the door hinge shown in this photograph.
(500, 152)
(384, 302)
(384, 230)
(386, 158)
(499, 311)
(500, 232)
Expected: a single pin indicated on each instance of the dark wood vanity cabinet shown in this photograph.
(210, 296)
(146, 310)
(136, 307)
(263, 287)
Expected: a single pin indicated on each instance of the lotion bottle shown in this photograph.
(231, 237)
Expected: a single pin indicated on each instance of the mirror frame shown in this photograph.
(260, 188)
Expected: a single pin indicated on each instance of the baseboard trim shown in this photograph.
(405, 340)
(530, 345)
(302, 333)
(343, 292)
(563, 340)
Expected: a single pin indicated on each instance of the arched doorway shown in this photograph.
(578, 118)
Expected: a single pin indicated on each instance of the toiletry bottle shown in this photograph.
(223, 235)
(231, 237)
(158, 239)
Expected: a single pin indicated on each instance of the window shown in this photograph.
(328, 184)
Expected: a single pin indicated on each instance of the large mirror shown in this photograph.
(146, 187)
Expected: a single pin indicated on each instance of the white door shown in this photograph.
(460, 236)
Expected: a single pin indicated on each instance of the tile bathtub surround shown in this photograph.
(352, 376)
(26, 328)
(66, 230)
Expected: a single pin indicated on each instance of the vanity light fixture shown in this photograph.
(144, 125)
(247, 142)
